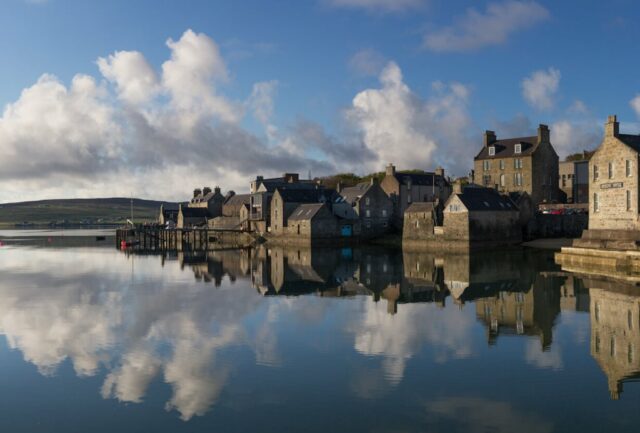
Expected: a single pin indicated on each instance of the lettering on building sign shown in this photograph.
(611, 185)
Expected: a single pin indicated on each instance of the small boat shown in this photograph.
(127, 244)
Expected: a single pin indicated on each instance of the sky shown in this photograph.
(153, 98)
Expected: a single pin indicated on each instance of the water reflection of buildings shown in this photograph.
(614, 309)
(615, 332)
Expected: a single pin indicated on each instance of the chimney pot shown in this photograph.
(489, 137)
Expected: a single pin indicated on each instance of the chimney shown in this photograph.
(457, 187)
(197, 192)
(339, 186)
(489, 138)
(611, 128)
(216, 190)
(391, 170)
(206, 190)
(440, 172)
(291, 177)
(543, 134)
(259, 178)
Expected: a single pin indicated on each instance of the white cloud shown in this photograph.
(635, 104)
(399, 126)
(134, 131)
(492, 27)
(572, 136)
(261, 100)
(367, 62)
(540, 88)
(135, 80)
(379, 5)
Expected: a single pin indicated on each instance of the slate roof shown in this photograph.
(423, 179)
(485, 199)
(195, 212)
(315, 195)
(353, 193)
(306, 211)
(417, 207)
(506, 148)
(633, 141)
(279, 182)
(238, 199)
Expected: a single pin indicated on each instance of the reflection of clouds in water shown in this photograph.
(397, 337)
(534, 355)
(85, 306)
(480, 415)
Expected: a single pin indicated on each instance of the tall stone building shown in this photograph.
(406, 188)
(522, 164)
(613, 170)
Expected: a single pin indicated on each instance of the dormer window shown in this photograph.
(492, 150)
(518, 148)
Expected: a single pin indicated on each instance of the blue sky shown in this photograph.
(452, 68)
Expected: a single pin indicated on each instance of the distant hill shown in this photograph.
(79, 211)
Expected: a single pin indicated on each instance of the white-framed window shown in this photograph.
(502, 164)
(517, 163)
(367, 213)
(628, 200)
(492, 150)
(596, 173)
(384, 212)
(366, 201)
(610, 170)
(517, 179)
(517, 148)
(486, 179)
(486, 165)
(502, 179)
(627, 168)
(596, 204)
(409, 199)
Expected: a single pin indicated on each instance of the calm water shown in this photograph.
(344, 340)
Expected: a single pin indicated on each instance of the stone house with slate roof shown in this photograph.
(312, 221)
(406, 188)
(614, 173)
(368, 203)
(192, 217)
(483, 216)
(205, 198)
(522, 164)
(285, 201)
(420, 221)
(262, 190)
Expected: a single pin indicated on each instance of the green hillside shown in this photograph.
(78, 211)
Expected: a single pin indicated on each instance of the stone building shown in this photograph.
(205, 198)
(192, 217)
(421, 221)
(262, 191)
(285, 201)
(481, 216)
(528, 164)
(312, 221)
(614, 173)
(368, 203)
(573, 180)
(168, 214)
(235, 213)
(406, 188)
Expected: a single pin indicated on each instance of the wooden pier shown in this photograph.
(152, 238)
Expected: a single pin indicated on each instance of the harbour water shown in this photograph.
(294, 339)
